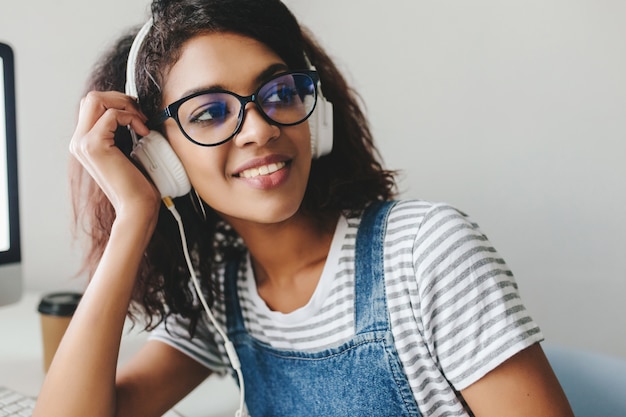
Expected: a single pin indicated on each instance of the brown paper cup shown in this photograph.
(55, 311)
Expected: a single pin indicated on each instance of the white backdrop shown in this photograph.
(514, 112)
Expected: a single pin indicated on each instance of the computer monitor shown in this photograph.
(10, 251)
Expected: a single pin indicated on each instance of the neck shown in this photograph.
(288, 258)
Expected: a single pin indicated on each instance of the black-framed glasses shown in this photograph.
(212, 117)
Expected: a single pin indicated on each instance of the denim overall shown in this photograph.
(362, 377)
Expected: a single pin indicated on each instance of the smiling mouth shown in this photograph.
(262, 170)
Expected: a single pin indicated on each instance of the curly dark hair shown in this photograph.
(344, 181)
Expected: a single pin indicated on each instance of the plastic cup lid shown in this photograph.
(59, 304)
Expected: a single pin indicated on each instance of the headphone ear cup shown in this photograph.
(321, 126)
(161, 163)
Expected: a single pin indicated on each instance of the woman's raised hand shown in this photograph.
(82, 381)
(101, 113)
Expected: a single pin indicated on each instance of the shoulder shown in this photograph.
(420, 222)
(418, 211)
(425, 220)
(445, 276)
(440, 241)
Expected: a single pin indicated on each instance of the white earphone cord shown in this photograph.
(230, 348)
(131, 90)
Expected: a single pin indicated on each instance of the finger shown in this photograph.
(95, 104)
(113, 99)
(101, 136)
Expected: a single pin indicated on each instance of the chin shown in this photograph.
(261, 213)
(276, 215)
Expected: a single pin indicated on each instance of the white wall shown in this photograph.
(513, 112)
(55, 45)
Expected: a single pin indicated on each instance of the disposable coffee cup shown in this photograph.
(55, 311)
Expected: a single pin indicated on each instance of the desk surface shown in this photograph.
(21, 362)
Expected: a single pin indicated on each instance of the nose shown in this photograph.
(255, 129)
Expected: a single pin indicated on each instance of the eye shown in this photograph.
(282, 94)
(210, 113)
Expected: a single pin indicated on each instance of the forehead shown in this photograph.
(225, 60)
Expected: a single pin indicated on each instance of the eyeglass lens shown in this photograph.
(214, 117)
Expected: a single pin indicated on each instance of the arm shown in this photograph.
(477, 327)
(523, 385)
(156, 379)
(81, 380)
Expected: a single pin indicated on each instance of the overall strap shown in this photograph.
(369, 285)
(234, 318)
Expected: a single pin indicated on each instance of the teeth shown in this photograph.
(263, 170)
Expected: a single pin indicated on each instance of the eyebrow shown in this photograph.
(262, 77)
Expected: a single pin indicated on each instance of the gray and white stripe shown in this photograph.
(454, 306)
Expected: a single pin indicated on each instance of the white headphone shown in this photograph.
(158, 158)
(321, 124)
(153, 151)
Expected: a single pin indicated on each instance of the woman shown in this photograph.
(336, 301)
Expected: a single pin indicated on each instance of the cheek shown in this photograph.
(304, 132)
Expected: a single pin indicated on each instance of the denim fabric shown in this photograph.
(362, 377)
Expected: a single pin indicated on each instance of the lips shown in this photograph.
(262, 170)
(257, 167)
(265, 173)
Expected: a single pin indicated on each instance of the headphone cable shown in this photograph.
(228, 345)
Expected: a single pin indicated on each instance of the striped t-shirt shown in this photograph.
(454, 306)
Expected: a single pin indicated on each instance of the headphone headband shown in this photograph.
(131, 85)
